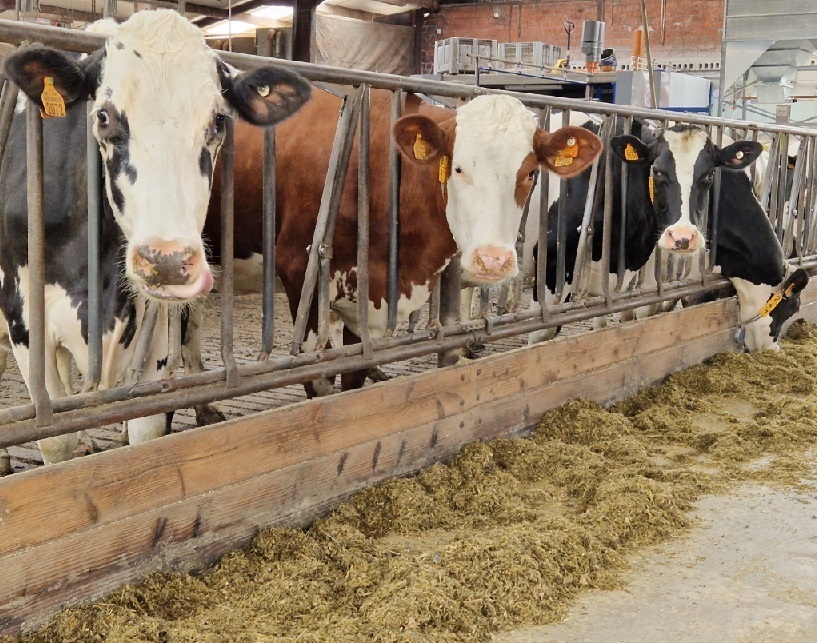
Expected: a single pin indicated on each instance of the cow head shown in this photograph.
(488, 155)
(682, 167)
(765, 309)
(161, 99)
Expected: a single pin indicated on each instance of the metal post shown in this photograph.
(268, 246)
(36, 265)
(715, 194)
(363, 224)
(561, 228)
(394, 214)
(94, 162)
(226, 286)
(607, 232)
(622, 239)
(450, 292)
(653, 89)
(542, 243)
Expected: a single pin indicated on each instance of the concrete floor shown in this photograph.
(746, 573)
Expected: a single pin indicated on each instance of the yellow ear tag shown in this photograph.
(444, 163)
(421, 149)
(630, 154)
(567, 153)
(652, 190)
(53, 104)
(770, 305)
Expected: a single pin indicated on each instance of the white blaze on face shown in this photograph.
(685, 147)
(159, 94)
(494, 136)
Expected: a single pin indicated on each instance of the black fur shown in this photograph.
(287, 92)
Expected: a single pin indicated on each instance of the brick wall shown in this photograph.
(691, 28)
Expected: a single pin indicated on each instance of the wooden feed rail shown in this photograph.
(75, 531)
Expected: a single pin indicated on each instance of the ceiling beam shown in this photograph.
(239, 7)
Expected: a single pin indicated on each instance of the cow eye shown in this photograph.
(660, 176)
(219, 121)
(103, 118)
(531, 175)
(458, 169)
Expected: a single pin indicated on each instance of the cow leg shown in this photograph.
(355, 379)
(191, 356)
(62, 447)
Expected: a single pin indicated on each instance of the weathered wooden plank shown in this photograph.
(46, 503)
(196, 530)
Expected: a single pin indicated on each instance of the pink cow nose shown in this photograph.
(171, 270)
(494, 262)
(682, 239)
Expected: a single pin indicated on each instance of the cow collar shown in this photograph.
(773, 301)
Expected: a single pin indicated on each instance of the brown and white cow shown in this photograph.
(468, 174)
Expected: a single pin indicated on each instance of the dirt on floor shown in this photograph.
(509, 533)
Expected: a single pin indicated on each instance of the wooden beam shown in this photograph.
(303, 18)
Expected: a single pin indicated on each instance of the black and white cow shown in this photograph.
(160, 101)
(681, 162)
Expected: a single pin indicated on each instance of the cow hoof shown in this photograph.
(376, 374)
(208, 414)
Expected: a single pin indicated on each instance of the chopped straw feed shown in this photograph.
(508, 533)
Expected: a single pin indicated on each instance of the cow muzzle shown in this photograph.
(492, 264)
(681, 239)
(170, 270)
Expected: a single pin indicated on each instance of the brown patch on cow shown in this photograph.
(549, 148)
(524, 179)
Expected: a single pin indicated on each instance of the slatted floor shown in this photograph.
(247, 336)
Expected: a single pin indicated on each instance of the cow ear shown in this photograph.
(631, 149)
(74, 79)
(739, 155)
(796, 282)
(567, 151)
(264, 96)
(420, 139)
(792, 161)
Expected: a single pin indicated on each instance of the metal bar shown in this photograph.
(144, 339)
(450, 293)
(561, 229)
(226, 286)
(607, 232)
(338, 162)
(363, 224)
(622, 238)
(650, 70)
(80, 411)
(268, 246)
(36, 266)
(7, 104)
(753, 166)
(174, 340)
(94, 179)
(394, 215)
(542, 242)
(715, 194)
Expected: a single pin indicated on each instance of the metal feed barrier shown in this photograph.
(443, 334)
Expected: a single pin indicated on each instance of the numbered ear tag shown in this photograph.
(421, 148)
(770, 305)
(566, 155)
(630, 153)
(652, 190)
(444, 164)
(53, 104)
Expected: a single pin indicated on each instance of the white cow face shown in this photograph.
(161, 100)
(488, 155)
(682, 167)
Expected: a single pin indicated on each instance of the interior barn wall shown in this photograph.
(692, 28)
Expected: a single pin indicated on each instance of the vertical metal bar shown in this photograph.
(450, 292)
(607, 232)
(94, 180)
(561, 228)
(227, 260)
(797, 202)
(622, 239)
(394, 214)
(330, 202)
(268, 245)
(174, 340)
(650, 70)
(753, 166)
(7, 104)
(363, 224)
(766, 183)
(716, 203)
(434, 306)
(812, 195)
(36, 266)
(542, 243)
(143, 342)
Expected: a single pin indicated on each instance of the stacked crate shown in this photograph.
(458, 55)
(527, 56)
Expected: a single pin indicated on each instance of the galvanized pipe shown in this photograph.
(147, 327)
(622, 234)
(36, 266)
(561, 228)
(393, 293)
(174, 340)
(227, 285)
(95, 201)
(337, 170)
(544, 222)
(450, 294)
(607, 232)
(715, 194)
(268, 245)
(364, 152)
